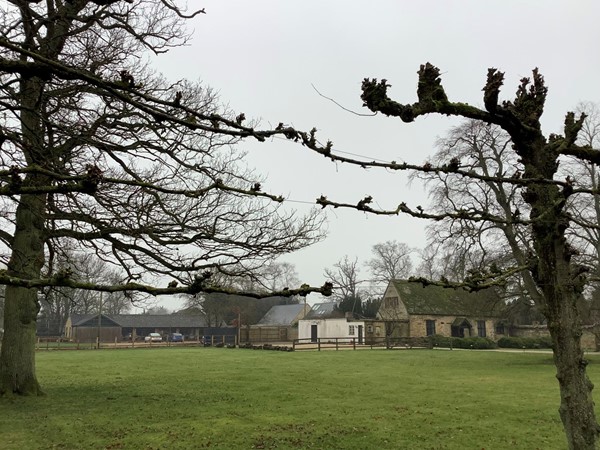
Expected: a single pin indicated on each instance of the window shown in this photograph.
(351, 330)
(391, 302)
(377, 331)
(369, 328)
(430, 327)
(500, 328)
(481, 328)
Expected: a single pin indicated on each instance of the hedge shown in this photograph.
(525, 342)
(456, 342)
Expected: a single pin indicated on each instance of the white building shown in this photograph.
(325, 322)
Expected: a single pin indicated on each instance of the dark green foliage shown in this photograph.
(525, 342)
(370, 308)
(476, 343)
(351, 304)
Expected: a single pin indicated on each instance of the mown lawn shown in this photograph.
(190, 398)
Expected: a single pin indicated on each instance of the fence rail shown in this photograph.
(339, 343)
(58, 343)
(334, 343)
(330, 343)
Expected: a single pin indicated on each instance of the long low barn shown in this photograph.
(88, 327)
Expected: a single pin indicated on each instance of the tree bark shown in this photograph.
(562, 285)
(576, 403)
(17, 357)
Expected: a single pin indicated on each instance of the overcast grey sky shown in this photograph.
(263, 56)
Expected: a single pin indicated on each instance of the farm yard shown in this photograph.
(181, 398)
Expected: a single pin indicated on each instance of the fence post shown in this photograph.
(353, 344)
(319, 344)
(115, 342)
(77, 344)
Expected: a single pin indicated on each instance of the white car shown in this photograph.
(153, 337)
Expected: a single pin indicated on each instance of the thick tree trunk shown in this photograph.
(561, 287)
(21, 306)
(576, 402)
(17, 358)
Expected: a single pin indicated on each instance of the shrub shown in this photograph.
(525, 342)
(440, 341)
(477, 343)
(474, 343)
(510, 342)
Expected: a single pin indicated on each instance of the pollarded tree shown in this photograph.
(558, 280)
(101, 155)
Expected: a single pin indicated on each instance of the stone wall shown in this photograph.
(443, 326)
(588, 338)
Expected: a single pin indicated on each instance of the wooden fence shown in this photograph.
(340, 343)
(57, 343)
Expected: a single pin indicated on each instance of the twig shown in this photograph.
(345, 109)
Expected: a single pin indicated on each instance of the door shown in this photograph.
(360, 334)
(313, 333)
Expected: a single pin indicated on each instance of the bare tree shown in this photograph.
(156, 310)
(558, 280)
(276, 276)
(218, 308)
(585, 211)
(459, 247)
(345, 277)
(467, 245)
(101, 154)
(391, 260)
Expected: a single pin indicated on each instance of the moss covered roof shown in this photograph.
(437, 300)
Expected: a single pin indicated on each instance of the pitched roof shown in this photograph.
(324, 311)
(160, 320)
(82, 319)
(284, 315)
(146, 320)
(438, 300)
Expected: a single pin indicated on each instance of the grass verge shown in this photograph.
(187, 398)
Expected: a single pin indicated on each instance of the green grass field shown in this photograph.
(190, 398)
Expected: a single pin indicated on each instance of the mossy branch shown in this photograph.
(200, 285)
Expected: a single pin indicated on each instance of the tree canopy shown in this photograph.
(100, 154)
